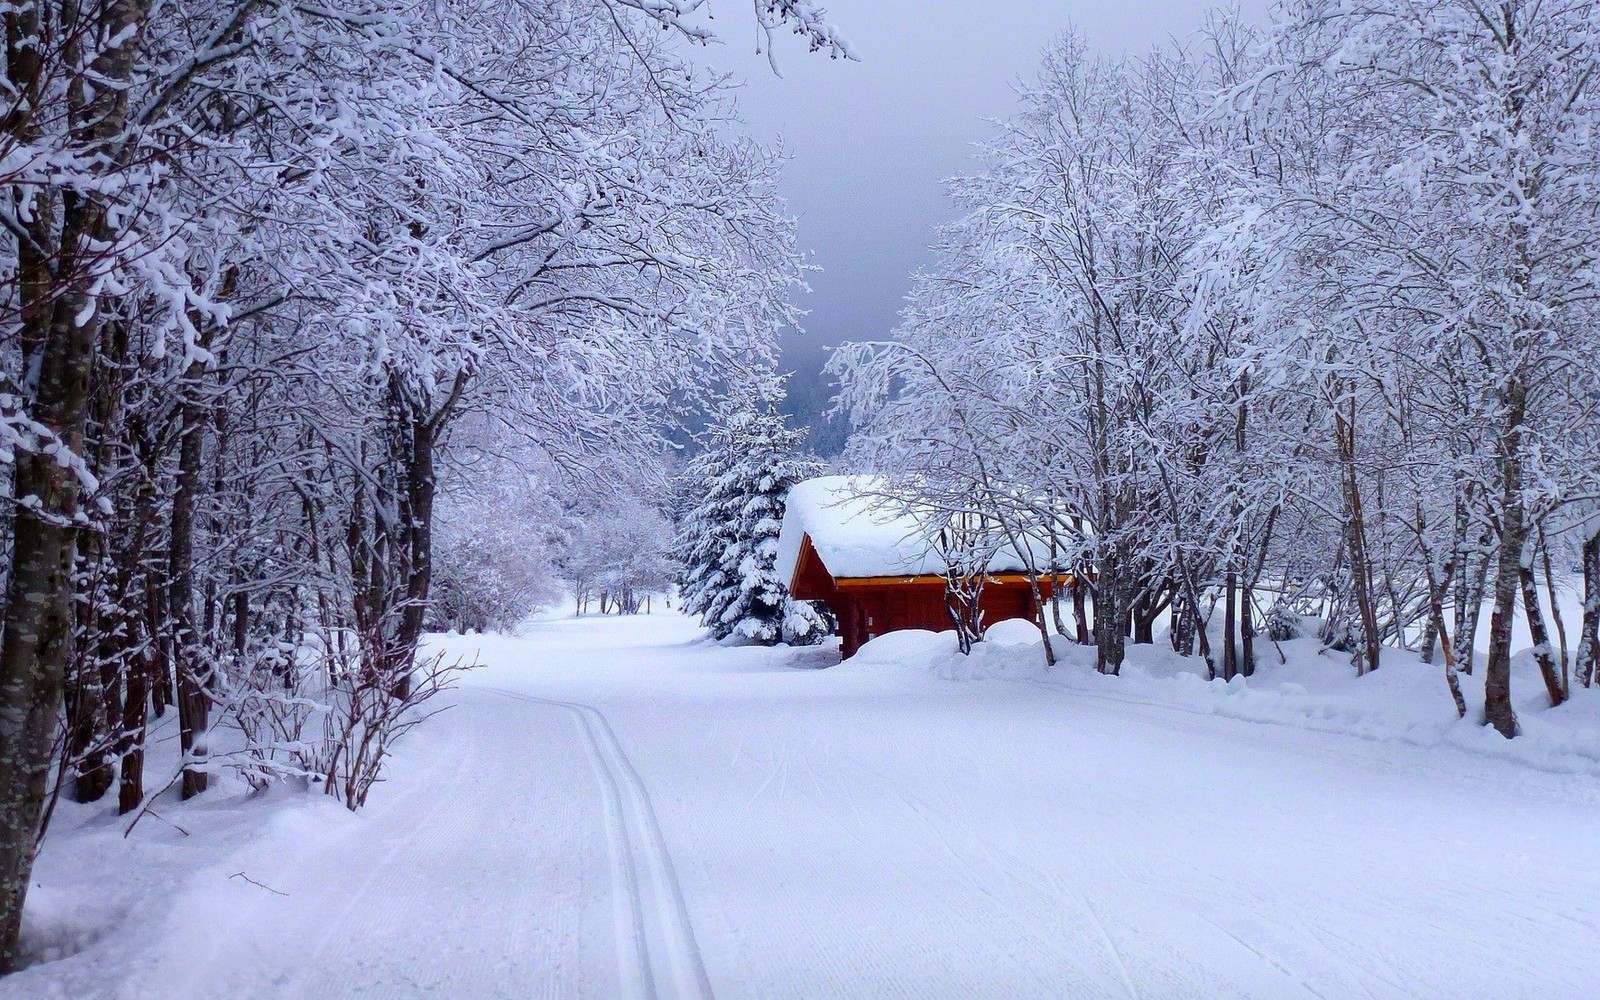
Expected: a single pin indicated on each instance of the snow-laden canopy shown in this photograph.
(857, 531)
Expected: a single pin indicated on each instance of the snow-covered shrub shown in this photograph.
(495, 553)
(320, 711)
(368, 712)
(1283, 623)
(277, 702)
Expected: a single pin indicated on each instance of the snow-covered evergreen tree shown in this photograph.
(729, 536)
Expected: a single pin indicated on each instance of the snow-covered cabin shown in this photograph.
(874, 566)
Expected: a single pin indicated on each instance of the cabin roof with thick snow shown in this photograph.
(857, 532)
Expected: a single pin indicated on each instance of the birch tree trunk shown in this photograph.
(1436, 591)
(1497, 708)
(1541, 638)
(1589, 634)
(1555, 616)
(1469, 606)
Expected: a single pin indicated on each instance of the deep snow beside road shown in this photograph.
(614, 803)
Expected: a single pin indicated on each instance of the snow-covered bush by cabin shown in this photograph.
(728, 540)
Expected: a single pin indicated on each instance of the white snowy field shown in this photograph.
(613, 807)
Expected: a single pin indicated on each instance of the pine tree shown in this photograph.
(729, 537)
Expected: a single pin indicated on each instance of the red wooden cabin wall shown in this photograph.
(866, 612)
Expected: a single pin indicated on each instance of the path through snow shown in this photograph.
(613, 808)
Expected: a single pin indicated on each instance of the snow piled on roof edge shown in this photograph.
(858, 532)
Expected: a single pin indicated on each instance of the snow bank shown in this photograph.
(103, 902)
(1404, 701)
(857, 533)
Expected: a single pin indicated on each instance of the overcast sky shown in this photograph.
(871, 141)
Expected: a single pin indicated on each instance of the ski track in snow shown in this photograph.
(611, 808)
(656, 924)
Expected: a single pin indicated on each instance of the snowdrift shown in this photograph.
(1308, 688)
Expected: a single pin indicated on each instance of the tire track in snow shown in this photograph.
(652, 918)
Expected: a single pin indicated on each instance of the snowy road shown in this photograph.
(615, 810)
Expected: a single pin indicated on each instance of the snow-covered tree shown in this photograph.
(618, 554)
(258, 261)
(729, 536)
(1307, 312)
(499, 538)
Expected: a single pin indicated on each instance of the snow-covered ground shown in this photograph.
(612, 807)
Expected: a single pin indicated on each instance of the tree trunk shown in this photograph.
(88, 697)
(1039, 620)
(187, 653)
(1541, 638)
(1589, 634)
(1055, 577)
(58, 314)
(1356, 540)
(143, 622)
(1055, 605)
(1194, 622)
(1438, 585)
(108, 630)
(421, 487)
(1471, 609)
(1436, 590)
(1182, 629)
(156, 628)
(87, 727)
(135, 708)
(1146, 609)
(38, 620)
(1555, 616)
(1247, 630)
(1110, 643)
(1247, 622)
(1497, 708)
(1230, 651)
(1080, 611)
(241, 621)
